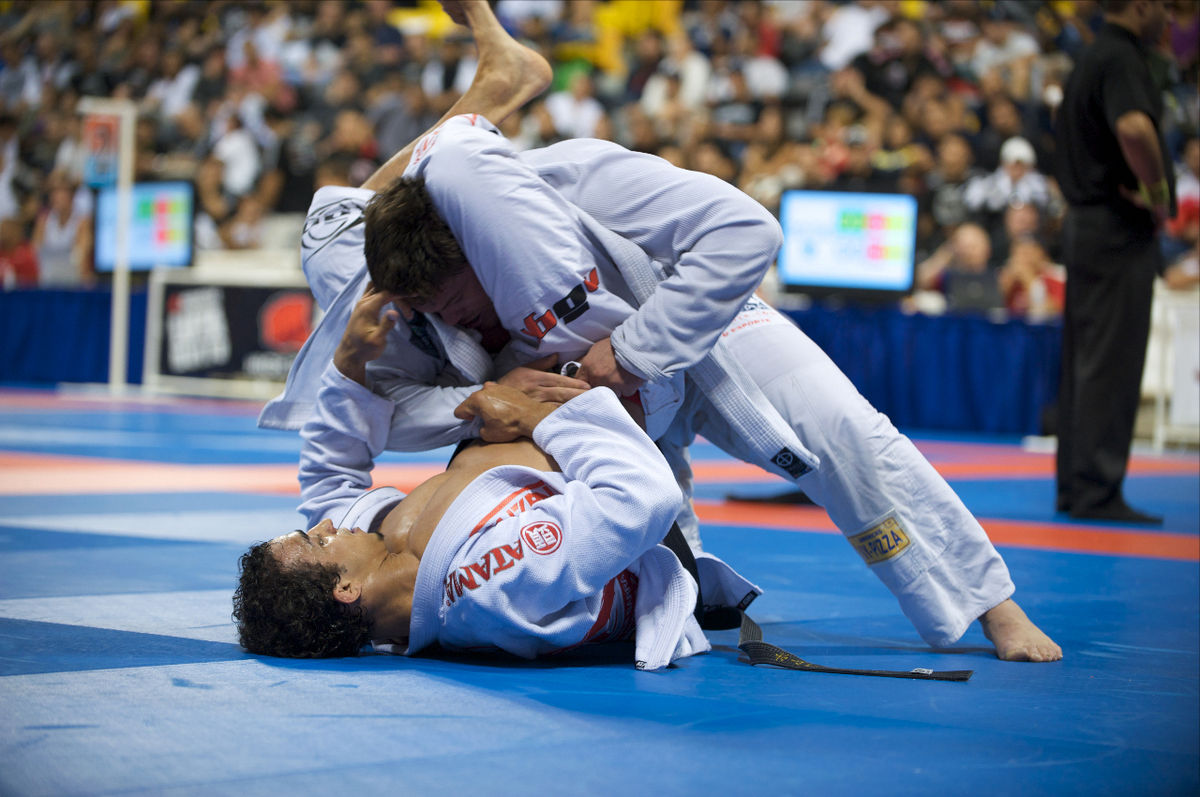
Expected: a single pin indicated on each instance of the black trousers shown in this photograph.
(1112, 257)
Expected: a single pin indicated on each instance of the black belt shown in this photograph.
(683, 552)
(750, 639)
(750, 642)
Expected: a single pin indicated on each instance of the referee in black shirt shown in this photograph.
(1112, 167)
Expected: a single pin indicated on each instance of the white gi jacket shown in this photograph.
(664, 286)
(526, 561)
(585, 238)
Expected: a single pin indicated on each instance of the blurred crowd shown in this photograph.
(260, 103)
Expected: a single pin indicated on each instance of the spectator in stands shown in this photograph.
(239, 156)
(1184, 272)
(689, 68)
(186, 144)
(575, 110)
(926, 97)
(709, 157)
(859, 173)
(1021, 220)
(258, 75)
(386, 38)
(733, 111)
(44, 136)
(244, 230)
(1034, 286)
(352, 135)
(213, 206)
(948, 181)
(647, 54)
(772, 162)
(670, 114)
(334, 170)
(70, 156)
(1001, 122)
(528, 18)
(18, 260)
(62, 238)
(899, 153)
(766, 76)
(958, 23)
(340, 61)
(959, 271)
(1017, 180)
(847, 87)
(10, 204)
(447, 73)
(897, 62)
(637, 130)
(1182, 231)
(212, 84)
(1005, 51)
(849, 31)
(12, 78)
(170, 94)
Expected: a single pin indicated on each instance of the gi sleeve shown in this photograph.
(346, 433)
(621, 496)
(712, 242)
(619, 501)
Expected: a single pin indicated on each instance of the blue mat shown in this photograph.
(120, 672)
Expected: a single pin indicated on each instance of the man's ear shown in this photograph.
(347, 591)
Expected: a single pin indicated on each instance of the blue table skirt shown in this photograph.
(953, 373)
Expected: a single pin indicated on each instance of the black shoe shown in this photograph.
(1119, 512)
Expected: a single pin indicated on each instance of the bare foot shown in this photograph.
(1015, 636)
(454, 9)
(508, 76)
(509, 73)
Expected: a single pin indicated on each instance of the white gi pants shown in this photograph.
(898, 512)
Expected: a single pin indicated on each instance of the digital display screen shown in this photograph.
(847, 241)
(160, 226)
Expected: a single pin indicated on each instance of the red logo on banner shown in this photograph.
(542, 537)
(286, 321)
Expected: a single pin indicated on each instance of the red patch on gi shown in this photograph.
(542, 537)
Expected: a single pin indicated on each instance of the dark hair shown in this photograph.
(410, 250)
(291, 611)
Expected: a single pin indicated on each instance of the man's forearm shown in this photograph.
(1138, 140)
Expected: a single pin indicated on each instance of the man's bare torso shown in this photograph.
(411, 524)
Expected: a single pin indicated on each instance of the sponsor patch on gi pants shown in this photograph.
(880, 542)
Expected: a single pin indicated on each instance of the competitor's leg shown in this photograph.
(508, 76)
(898, 512)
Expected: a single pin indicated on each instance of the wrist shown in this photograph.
(1155, 195)
(350, 366)
(535, 417)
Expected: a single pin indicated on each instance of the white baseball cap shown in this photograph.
(1018, 150)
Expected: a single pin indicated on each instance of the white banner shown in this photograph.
(1185, 371)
